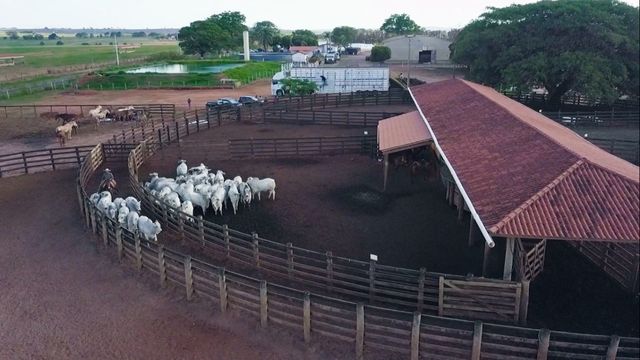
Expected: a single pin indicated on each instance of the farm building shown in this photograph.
(299, 58)
(424, 49)
(308, 50)
(525, 179)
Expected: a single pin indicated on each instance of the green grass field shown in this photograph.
(41, 57)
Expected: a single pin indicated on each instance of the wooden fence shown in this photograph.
(625, 149)
(343, 118)
(322, 101)
(370, 281)
(618, 260)
(29, 162)
(158, 111)
(572, 101)
(611, 118)
(372, 329)
(308, 146)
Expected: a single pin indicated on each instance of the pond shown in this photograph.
(183, 68)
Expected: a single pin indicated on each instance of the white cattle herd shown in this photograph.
(127, 214)
(198, 187)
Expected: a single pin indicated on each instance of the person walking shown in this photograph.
(189, 103)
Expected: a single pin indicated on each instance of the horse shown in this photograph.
(66, 117)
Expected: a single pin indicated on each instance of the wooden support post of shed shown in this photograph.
(485, 259)
(415, 336)
(472, 228)
(612, 350)
(386, 171)
(508, 258)
(359, 331)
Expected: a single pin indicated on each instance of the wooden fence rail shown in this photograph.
(372, 329)
(625, 149)
(343, 118)
(308, 146)
(158, 111)
(375, 283)
(29, 162)
(611, 118)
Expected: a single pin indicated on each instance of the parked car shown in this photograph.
(224, 102)
(330, 58)
(248, 100)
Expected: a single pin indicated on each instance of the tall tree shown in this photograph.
(344, 35)
(265, 32)
(400, 24)
(231, 23)
(586, 46)
(201, 37)
(304, 37)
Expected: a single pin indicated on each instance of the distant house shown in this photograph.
(307, 50)
(424, 49)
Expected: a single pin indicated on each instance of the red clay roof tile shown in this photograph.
(526, 175)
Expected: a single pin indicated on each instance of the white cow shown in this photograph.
(234, 196)
(133, 204)
(103, 203)
(132, 221)
(258, 186)
(182, 169)
(187, 208)
(123, 211)
(217, 199)
(148, 229)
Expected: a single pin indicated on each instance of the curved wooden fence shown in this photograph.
(375, 283)
(28, 162)
(372, 330)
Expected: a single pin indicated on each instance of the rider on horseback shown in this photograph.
(108, 182)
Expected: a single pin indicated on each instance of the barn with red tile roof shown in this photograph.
(523, 176)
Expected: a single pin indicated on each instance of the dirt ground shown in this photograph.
(199, 97)
(335, 203)
(62, 300)
(31, 133)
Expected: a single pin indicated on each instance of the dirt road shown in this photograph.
(61, 300)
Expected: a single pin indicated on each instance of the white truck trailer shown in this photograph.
(334, 79)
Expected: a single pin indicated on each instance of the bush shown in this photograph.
(59, 42)
(84, 43)
(380, 54)
(41, 43)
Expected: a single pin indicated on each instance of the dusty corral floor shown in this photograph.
(335, 203)
(61, 300)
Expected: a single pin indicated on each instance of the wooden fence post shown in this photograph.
(477, 341)
(330, 270)
(162, 270)
(138, 251)
(359, 331)
(24, 162)
(105, 231)
(440, 295)
(222, 290)
(181, 226)
(201, 229)
(256, 248)
(94, 225)
(263, 304)
(306, 317)
(87, 212)
(612, 350)
(188, 277)
(290, 259)
(544, 336)
(372, 281)
(225, 233)
(421, 279)
(119, 241)
(524, 302)
(415, 335)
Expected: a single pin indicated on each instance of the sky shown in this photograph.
(286, 14)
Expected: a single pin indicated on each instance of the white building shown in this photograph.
(299, 58)
(424, 49)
